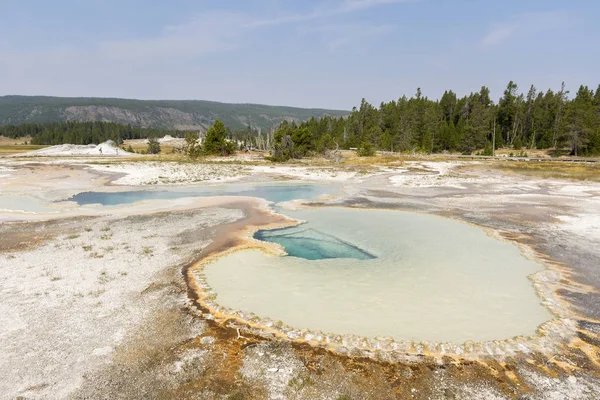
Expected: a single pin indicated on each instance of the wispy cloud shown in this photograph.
(355, 5)
(524, 24)
(209, 32)
(337, 37)
(186, 57)
(219, 31)
(499, 34)
(340, 8)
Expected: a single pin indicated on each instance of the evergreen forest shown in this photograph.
(473, 123)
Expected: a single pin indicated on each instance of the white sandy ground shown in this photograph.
(167, 139)
(66, 306)
(5, 171)
(584, 225)
(582, 196)
(107, 148)
(161, 173)
(273, 371)
(307, 173)
(434, 174)
(562, 389)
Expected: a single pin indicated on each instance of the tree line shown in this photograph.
(468, 124)
(473, 123)
(82, 132)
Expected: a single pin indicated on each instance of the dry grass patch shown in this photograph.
(6, 149)
(553, 169)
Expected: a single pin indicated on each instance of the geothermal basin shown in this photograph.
(373, 273)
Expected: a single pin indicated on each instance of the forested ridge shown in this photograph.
(160, 114)
(82, 132)
(535, 120)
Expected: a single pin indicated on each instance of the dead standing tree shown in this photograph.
(334, 155)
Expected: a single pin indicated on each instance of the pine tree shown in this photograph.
(153, 146)
(215, 142)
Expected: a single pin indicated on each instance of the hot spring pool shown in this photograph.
(276, 193)
(385, 273)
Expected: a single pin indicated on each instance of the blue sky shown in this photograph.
(328, 53)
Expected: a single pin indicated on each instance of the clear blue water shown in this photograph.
(311, 244)
(276, 193)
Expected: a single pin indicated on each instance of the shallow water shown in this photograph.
(432, 279)
(272, 192)
(312, 244)
(24, 204)
(275, 193)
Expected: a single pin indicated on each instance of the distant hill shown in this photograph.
(163, 114)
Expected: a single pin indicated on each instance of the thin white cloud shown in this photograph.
(340, 36)
(219, 31)
(355, 5)
(209, 32)
(176, 62)
(522, 25)
(498, 35)
(340, 8)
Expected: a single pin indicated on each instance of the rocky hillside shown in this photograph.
(166, 114)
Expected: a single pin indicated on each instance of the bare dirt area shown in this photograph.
(102, 302)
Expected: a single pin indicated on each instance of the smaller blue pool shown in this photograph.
(276, 193)
(310, 244)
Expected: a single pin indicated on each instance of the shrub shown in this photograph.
(153, 146)
(192, 148)
(487, 151)
(365, 150)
